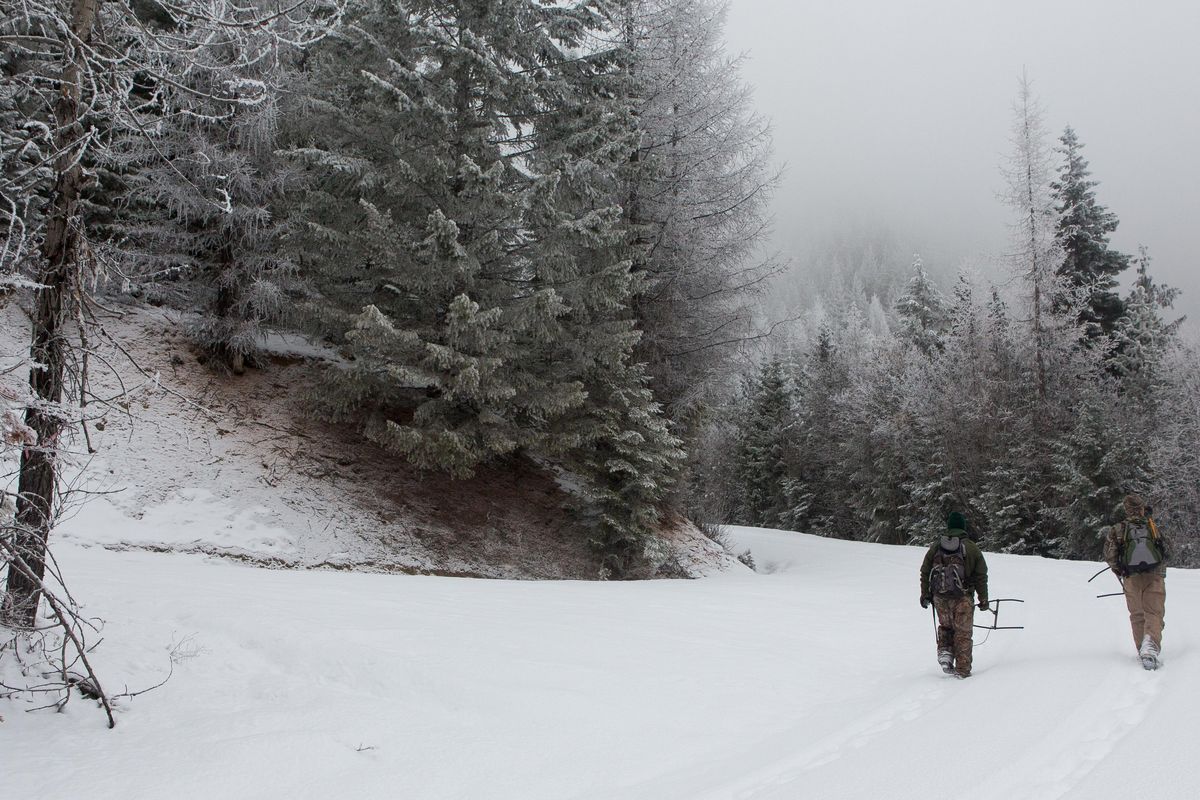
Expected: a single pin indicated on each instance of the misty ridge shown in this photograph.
(918, 365)
(892, 120)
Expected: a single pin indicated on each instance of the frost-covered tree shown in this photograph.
(816, 500)
(423, 138)
(1142, 336)
(1174, 486)
(630, 459)
(26, 140)
(877, 319)
(80, 77)
(1089, 265)
(466, 244)
(764, 448)
(204, 190)
(697, 187)
(876, 446)
(1104, 456)
(1036, 252)
(922, 311)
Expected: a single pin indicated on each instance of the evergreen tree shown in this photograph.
(465, 161)
(1142, 336)
(815, 491)
(878, 450)
(1105, 456)
(922, 311)
(429, 210)
(631, 459)
(204, 188)
(1175, 454)
(1089, 266)
(877, 319)
(763, 447)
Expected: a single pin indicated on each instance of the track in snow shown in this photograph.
(815, 680)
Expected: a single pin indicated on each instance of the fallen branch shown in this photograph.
(67, 620)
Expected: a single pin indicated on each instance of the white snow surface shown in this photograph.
(815, 678)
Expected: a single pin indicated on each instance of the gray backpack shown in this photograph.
(1143, 550)
(948, 576)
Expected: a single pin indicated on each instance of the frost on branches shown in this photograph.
(467, 245)
(80, 81)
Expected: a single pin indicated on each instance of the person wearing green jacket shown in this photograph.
(953, 572)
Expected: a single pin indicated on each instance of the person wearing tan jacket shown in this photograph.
(1137, 554)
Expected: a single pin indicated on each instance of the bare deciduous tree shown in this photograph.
(80, 76)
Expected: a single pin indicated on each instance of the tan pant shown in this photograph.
(956, 618)
(1146, 596)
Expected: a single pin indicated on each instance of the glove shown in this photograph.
(983, 605)
(1120, 572)
(924, 602)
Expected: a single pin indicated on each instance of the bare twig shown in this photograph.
(65, 619)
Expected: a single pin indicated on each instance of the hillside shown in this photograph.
(815, 679)
(234, 466)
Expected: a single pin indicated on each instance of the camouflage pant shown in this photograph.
(956, 616)
(1146, 598)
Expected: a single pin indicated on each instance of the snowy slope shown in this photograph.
(814, 680)
(193, 461)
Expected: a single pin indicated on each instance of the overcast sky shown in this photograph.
(899, 111)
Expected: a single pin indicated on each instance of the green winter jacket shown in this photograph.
(976, 567)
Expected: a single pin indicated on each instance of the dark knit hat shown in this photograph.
(955, 521)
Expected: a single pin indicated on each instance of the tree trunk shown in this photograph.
(59, 277)
(228, 291)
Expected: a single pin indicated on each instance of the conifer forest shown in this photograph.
(539, 233)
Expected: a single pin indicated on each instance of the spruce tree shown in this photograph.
(876, 450)
(1104, 457)
(1036, 255)
(1089, 265)
(630, 460)
(203, 189)
(922, 311)
(1142, 336)
(815, 491)
(1175, 454)
(467, 245)
(424, 141)
(764, 446)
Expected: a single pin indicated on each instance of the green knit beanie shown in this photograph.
(955, 521)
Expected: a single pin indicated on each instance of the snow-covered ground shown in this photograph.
(813, 679)
(189, 460)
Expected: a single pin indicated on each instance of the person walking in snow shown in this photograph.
(1137, 554)
(953, 571)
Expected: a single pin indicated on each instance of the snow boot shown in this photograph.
(946, 660)
(1148, 653)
